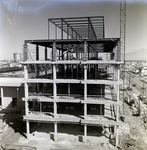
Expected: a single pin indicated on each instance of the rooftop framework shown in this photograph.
(78, 27)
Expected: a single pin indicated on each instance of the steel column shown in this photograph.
(37, 52)
(45, 53)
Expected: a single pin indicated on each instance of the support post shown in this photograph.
(55, 131)
(85, 84)
(26, 101)
(54, 50)
(28, 129)
(85, 91)
(55, 109)
(18, 107)
(85, 111)
(116, 144)
(118, 93)
(45, 53)
(69, 89)
(2, 96)
(55, 90)
(67, 32)
(117, 106)
(61, 28)
(48, 29)
(37, 52)
(85, 133)
(26, 91)
(55, 32)
(85, 51)
(54, 84)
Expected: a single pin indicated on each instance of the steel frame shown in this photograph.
(79, 27)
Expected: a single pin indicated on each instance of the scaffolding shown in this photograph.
(75, 86)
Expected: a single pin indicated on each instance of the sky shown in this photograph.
(28, 20)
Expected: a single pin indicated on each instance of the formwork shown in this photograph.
(73, 84)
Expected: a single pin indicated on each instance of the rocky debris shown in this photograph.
(132, 133)
(3, 126)
(124, 129)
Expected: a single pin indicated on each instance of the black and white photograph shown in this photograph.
(73, 74)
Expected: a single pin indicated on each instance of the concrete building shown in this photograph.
(12, 90)
(74, 87)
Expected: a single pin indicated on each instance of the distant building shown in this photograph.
(17, 57)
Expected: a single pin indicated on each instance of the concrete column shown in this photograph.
(55, 90)
(115, 78)
(2, 96)
(85, 91)
(116, 144)
(54, 84)
(85, 111)
(85, 84)
(28, 129)
(118, 93)
(85, 72)
(26, 91)
(85, 133)
(55, 131)
(26, 100)
(69, 89)
(18, 107)
(55, 109)
(118, 73)
(40, 107)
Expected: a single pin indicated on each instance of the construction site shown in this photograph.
(73, 96)
(75, 87)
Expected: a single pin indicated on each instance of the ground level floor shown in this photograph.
(132, 134)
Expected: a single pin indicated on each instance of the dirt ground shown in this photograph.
(132, 135)
(133, 131)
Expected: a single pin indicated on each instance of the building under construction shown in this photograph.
(74, 84)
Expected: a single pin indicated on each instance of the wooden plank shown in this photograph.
(102, 82)
(100, 122)
(39, 118)
(100, 102)
(72, 81)
(38, 80)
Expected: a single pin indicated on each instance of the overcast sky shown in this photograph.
(28, 20)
